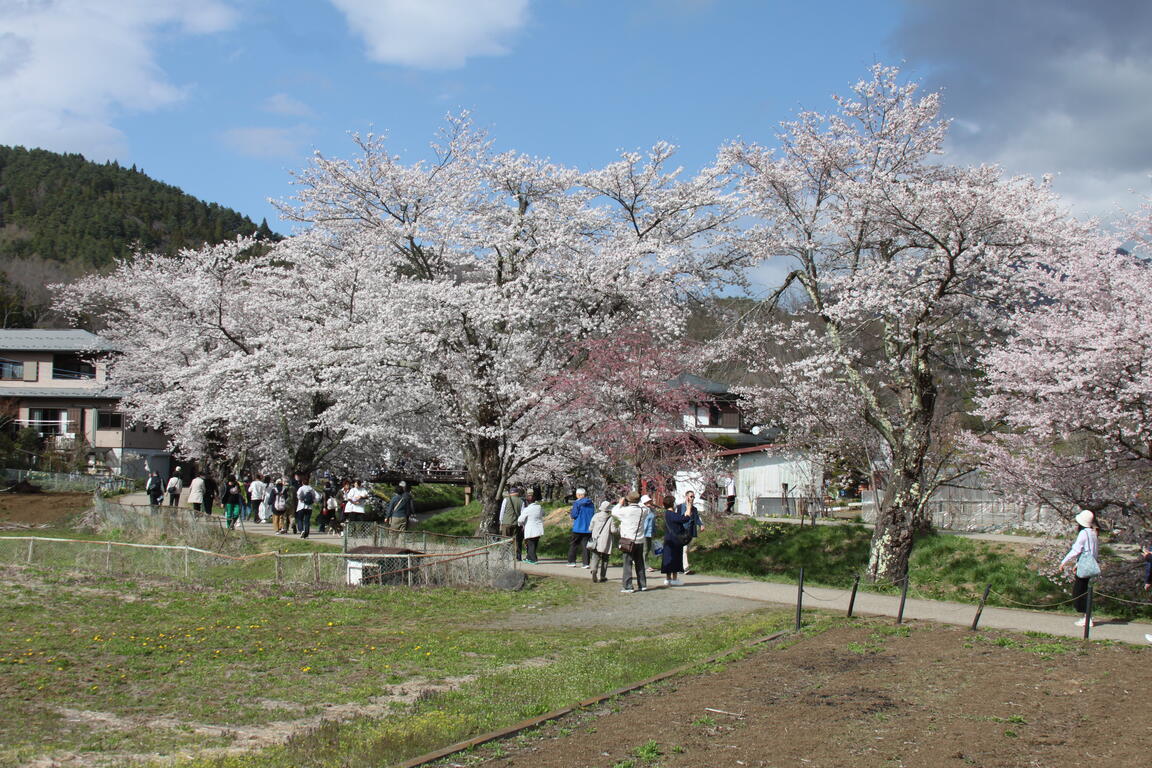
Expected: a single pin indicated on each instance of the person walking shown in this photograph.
(155, 490)
(531, 521)
(175, 485)
(275, 502)
(256, 491)
(676, 534)
(603, 527)
(232, 501)
(582, 512)
(630, 520)
(306, 497)
(196, 492)
(510, 509)
(1083, 560)
(210, 488)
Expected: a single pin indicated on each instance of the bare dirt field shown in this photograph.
(41, 508)
(873, 695)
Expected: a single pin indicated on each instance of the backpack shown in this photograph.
(278, 505)
(308, 497)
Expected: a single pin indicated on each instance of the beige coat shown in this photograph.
(603, 526)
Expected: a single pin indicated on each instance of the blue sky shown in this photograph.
(225, 98)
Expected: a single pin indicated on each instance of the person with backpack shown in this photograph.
(274, 505)
(232, 501)
(175, 485)
(306, 497)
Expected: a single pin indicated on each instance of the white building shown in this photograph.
(773, 480)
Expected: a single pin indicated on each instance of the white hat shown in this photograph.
(645, 499)
(1085, 518)
(605, 506)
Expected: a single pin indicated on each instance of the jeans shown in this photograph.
(579, 544)
(304, 521)
(635, 560)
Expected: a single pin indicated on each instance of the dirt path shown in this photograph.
(869, 695)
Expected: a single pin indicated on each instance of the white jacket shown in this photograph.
(631, 520)
(532, 518)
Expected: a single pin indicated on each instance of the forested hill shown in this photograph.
(62, 216)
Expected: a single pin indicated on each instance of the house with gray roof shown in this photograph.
(54, 381)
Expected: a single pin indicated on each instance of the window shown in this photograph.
(109, 420)
(71, 366)
(11, 370)
(48, 421)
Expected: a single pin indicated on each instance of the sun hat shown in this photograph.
(645, 499)
(632, 497)
(1085, 518)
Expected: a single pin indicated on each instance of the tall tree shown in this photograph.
(1072, 388)
(906, 269)
(506, 262)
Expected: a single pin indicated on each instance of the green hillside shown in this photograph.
(62, 216)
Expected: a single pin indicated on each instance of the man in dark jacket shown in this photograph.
(582, 511)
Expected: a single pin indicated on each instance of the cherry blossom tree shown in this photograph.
(247, 352)
(504, 264)
(1072, 388)
(630, 410)
(906, 269)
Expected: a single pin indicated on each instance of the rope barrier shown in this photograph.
(1144, 603)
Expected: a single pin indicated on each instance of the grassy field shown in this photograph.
(120, 671)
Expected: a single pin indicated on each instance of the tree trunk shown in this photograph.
(485, 471)
(899, 519)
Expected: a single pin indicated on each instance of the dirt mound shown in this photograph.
(42, 508)
(559, 516)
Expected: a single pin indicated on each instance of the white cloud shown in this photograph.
(283, 104)
(256, 141)
(1044, 86)
(433, 34)
(69, 67)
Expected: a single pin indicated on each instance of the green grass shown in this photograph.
(160, 660)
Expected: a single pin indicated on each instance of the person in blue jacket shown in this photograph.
(582, 511)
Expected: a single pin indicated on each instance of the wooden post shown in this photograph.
(980, 608)
(30, 543)
(108, 557)
(409, 570)
(903, 599)
(799, 598)
(852, 598)
(316, 566)
(279, 569)
(187, 570)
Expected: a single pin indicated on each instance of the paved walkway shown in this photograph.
(702, 586)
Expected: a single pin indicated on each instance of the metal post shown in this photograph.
(316, 566)
(1088, 612)
(980, 608)
(799, 598)
(187, 570)
(903, 599)
(108, 557)
(30, 543)
(279, 569)
(852, 598)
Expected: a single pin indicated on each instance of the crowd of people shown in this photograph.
(628, 524)
(289, 504)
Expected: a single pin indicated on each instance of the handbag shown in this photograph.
(626, 545)
(1086, 565)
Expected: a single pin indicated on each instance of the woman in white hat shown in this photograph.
(1084, 560)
